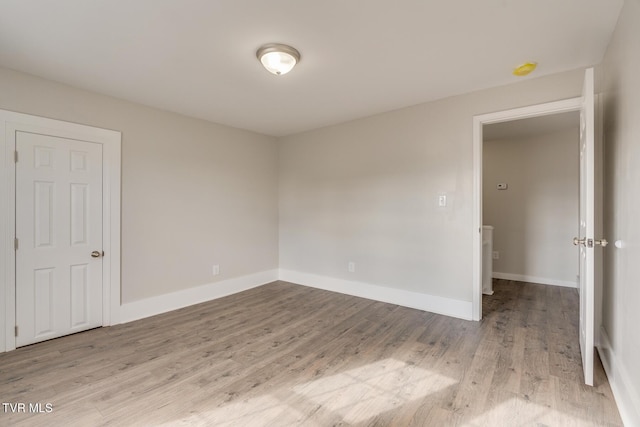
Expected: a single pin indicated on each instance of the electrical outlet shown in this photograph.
(215, 270)
(351, 267)
(496, 255)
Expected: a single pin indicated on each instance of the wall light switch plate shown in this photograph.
(442, 200)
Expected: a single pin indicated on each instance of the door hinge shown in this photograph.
(15, 243)
(15, 156)
(16, 330)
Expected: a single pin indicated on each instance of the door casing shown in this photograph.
(572, 104)
(10, 122)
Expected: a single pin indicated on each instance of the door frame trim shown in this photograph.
(111, 142)
(566, 105)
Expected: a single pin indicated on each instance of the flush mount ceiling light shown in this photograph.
(278, 59)
(524, 69)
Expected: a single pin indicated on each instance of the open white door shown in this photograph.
(586, 240)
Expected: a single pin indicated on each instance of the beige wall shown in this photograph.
(621, 288)
(194, 193)
(197, 194)
(366, 191)
(537, 216)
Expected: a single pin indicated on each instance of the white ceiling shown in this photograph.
(525, 128)
(359, 57)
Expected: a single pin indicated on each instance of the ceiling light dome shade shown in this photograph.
(278, 59)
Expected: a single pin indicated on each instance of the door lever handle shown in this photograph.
(589, 242)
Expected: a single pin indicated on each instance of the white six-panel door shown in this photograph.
(58, 226)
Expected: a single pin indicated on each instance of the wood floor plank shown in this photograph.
(287, 355)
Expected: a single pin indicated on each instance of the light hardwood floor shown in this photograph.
(283, 355)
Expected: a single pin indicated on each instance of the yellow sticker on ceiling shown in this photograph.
(525, 69)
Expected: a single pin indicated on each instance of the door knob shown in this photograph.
(96, 254)
(590, 242)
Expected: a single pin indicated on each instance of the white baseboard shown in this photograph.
(167, 302)
(627, 397)
(164, 303)
(431, 303)
(534, 279)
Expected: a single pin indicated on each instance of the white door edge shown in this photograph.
(566, 105)
(587, 226)
(111, 143)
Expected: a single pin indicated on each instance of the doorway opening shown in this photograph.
(590, 196)
(531, 177)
